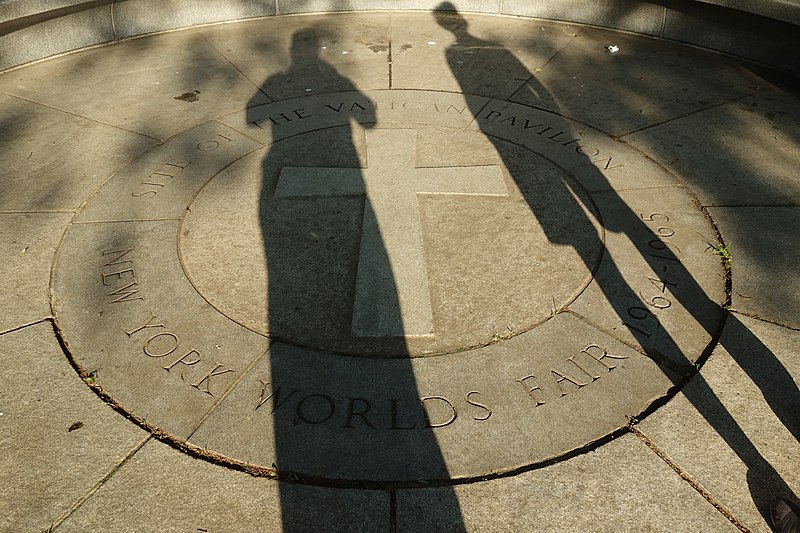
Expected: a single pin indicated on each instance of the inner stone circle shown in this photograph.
(405, 240)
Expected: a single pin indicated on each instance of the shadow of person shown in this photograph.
(341, 389)
(752, 356)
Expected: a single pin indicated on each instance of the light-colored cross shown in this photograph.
(392, 296)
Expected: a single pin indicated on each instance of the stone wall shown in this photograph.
(764, 31)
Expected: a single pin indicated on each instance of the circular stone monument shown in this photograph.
(390, 286)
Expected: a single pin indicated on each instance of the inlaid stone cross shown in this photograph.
(392, 296)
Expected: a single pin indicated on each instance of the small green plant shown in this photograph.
(497, 336)
(722, 251)
(555, 310)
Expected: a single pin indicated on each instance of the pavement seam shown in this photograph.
(229, 391)
(620, 136)
(477, 114)
(29, 324)
(60, 520)
(389, 59)
(540, 69)
(77, 222)
(114, 33)
(766, 320)
(640, 188)
(754, 206)
(244, 132)
(38, 212)
(393, 511)
(687, 478)
(234, 65)
(655, 356)
(160, 141)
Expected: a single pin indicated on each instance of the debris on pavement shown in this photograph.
(188, 97)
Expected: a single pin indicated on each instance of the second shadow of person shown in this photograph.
(759, 363)
(342, 415)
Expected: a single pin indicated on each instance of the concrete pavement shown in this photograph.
(398, 272)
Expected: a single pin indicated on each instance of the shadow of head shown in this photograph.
(448, 17)
(305, 44)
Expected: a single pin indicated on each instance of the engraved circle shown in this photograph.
(394, 240)
(171, 233)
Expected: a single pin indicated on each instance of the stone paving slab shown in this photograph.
(161, 489)
(138, 342)
(282, 56)
(57, 438)
(619, 487)
(153, 69)
(161, 183)
(720, 430)
(660, 287)
(764, 262)
(36, 140)
(28, 242)
(594, 158)
(460, 42)
(731, 168)
(356, 419)
(631, 89)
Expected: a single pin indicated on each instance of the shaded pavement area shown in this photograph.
(398, 272)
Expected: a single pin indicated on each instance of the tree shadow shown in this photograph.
(752, 356)
(330, 278)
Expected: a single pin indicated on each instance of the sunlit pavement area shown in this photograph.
(398, 271)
